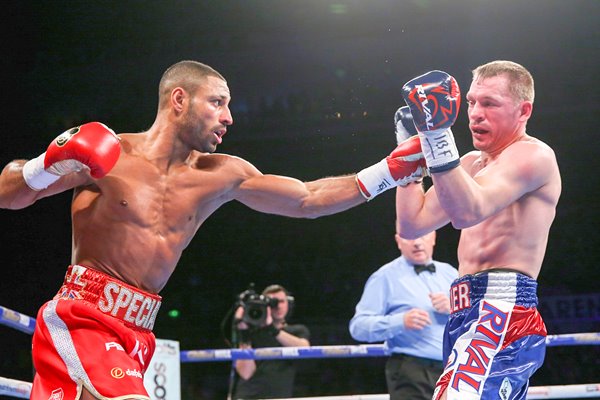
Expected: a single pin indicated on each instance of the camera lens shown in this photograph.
(255, 312)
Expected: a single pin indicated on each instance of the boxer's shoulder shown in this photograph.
(130, 142)
(222, 162)
(471, 160)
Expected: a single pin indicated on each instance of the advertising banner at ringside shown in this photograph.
(162, 378)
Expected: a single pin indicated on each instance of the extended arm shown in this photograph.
(291, 197)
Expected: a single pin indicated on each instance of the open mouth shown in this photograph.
(478, 130)
(219, 134)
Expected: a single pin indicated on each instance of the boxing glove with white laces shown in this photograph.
(93, 146)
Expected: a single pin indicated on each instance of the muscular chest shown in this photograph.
(171, 201)
(155, 200)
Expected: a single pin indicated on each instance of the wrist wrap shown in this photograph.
(36, 176)
(439, 150)
(374, 180)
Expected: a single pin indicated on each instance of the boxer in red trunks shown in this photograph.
(112, 322)
(503, 197)
(138, 201)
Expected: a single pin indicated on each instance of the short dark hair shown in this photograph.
(186, 74)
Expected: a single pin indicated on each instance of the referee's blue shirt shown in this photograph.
(389, 293)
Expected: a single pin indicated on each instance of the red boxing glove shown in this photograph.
(92, 145)
(404, 165)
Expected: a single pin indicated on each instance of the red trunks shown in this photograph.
(96, 333)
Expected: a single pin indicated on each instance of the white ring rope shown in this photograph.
(26, 324)
(15, 388)
(20, 389)
(345, 351)
(538, 392)
(16, 320)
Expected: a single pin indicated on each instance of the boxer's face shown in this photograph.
(207, 115)
(496, 119)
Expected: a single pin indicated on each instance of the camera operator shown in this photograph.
(267, 378)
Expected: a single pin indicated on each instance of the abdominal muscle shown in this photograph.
(501, 243)
(139, 258)
(138, 235)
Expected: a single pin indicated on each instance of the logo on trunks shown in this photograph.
(505, 389)
(134, 372)
(75, 274)
(140, 350)
(57, 394)
(487, 337)
(117, 373)
(459, 297)
(115, 345)
(128, 305)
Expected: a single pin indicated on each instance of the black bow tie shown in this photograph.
(424, 267)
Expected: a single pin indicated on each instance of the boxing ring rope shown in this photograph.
(26, 324)
(15, 320)
(343, 351)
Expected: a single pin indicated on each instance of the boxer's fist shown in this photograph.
(434, 101)
(92, 145)
(404, 124)
(404, 165)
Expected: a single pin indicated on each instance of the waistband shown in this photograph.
(135, 307)
(513, 287)
(428, 362)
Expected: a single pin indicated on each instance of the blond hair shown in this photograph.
(520, 80)
(274, 289)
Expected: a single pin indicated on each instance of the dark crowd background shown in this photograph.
(315, 84)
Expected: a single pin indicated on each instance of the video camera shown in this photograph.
(255, 306)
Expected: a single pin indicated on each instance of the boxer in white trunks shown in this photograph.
(503, 197)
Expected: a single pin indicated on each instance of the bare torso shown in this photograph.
(513, 239)
(516, 236)
(135, 223)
